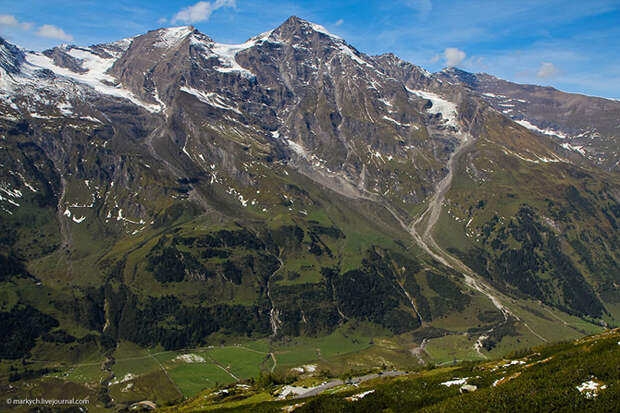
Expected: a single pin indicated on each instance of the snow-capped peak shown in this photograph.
(172, 36)
(323, 30)
(93, 72)
(296, 23)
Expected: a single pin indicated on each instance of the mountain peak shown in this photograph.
(297, 26)
(455, 74)
(181, 31)
(172, 36)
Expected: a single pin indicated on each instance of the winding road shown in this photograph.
(313, 391)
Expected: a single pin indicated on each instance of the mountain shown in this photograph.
(274, 203)
(583, 124)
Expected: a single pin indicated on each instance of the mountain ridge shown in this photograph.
(570, 117)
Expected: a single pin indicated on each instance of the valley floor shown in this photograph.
(347, 359)
(576, 376)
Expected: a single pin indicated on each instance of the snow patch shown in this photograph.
(444, 107)
(386, 102)
(171, 37)
(404, 125)
(126, 378)
(591, 388)
(539, 160)
(535, 128)
(226, 53)
(90, 118)
(455, 382)
(65, 108)
(120, 217)
(514, 362)
(244, 202)
(210, 98)
(94, 77)
(321, 29)
(346, 49)
(32, 188)
(574, 148)
(359, 396)
(13, 193)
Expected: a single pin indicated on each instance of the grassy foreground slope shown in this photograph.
(581, 375)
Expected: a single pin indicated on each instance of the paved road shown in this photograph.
(313, 391)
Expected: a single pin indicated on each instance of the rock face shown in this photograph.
(11, 58)
(468, 388)
(167, 188)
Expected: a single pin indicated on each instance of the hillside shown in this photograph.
(283, 202)
(578, 376)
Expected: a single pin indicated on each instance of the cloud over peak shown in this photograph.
(547, 70)
(53, 32)
(453, 56)
(200, 11)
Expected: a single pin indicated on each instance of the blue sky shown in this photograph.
(571, 45)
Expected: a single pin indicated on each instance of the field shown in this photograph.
(192, 370)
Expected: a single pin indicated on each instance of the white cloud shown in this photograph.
(53, 32)
(339, 22)
(453, 56)
(11, 21)
(547, 70)
(162, 20)
(201, 11)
